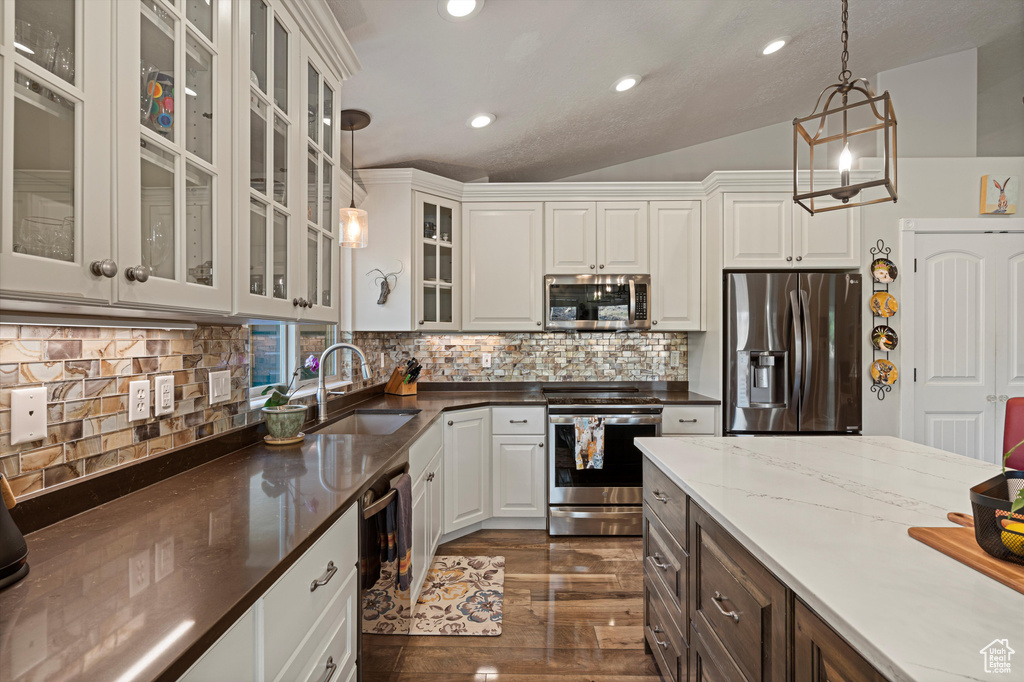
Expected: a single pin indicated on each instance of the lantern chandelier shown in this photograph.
(831, 124)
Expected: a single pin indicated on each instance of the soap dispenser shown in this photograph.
(13, 548)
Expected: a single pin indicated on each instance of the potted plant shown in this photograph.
(282, 418)
(998, 504)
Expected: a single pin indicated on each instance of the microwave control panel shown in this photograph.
(641, 303)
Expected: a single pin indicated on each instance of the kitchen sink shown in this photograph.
(370, 422)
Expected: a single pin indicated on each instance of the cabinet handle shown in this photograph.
(654, 322)
(450, 423)
(325, 578)
(602, 266)
(718, 599)
(659, 496)
(538, 323)
(658, 631)
(789, 258)
(687, 421)
(430, 476)
(308, 304)
(140, 273)
(1004, 398)
(799, 257)
(516, 421)
(990, 398)
(659, 561)
(329, 671)
(592, 266)
(103, 268)
(540, 445)
(421, 321)
(299, 302)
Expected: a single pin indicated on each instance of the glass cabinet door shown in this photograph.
(436, 231)
(177, 90)
(54, 218)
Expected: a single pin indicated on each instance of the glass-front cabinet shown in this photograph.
(436, 236)
(174, 153)
(55, 161)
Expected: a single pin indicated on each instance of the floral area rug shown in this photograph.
(461, 595)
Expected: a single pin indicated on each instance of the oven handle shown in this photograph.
(628, 420)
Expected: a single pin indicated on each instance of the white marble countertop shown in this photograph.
(829, 517)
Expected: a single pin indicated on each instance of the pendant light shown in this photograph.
(832, 125)
(354, 223)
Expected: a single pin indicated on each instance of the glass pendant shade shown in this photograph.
(354, 228)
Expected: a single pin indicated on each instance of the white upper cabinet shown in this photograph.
(676, 266)
(55, 159)
(173, 77)
(763, 230)
(622, 238)
(570, 237)
(502, 266)
(437, 238)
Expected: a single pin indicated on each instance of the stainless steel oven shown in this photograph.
(601, 302)
(605, 501)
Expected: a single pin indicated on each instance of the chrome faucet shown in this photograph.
(321, 387)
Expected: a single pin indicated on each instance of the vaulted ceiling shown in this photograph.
(545, 68)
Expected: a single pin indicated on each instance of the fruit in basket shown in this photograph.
(1013, 537)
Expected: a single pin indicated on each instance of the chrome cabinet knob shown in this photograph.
(295, 302)
(1004, 398)
(421, 321)
(309, 304)
(799, 257)
(592, 266)
(140, 273)
(990, 398)
(538, 323)
(103, 268)
(789, 258)
(654, 322)
(450, 422)
(602, 266)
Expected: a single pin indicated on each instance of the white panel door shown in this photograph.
(758, 230)
(502, 267)
(233, 657)
(1009, 319)
(518, 475)
(467, 457)
(570, 237)
(676, 266)
(622, 238)
(435, 503)
(420, 535)
(955, 403)
(827, 240)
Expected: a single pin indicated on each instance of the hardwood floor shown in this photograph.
(573, 612)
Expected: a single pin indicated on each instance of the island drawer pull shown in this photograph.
(332, 667)
(688, 421)
(516, 421)
(659, 496)
(658, 631)
(325, 578)
(659, 561)
(718, 599)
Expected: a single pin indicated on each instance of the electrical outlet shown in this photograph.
(28, 415)
(220, 387)
(673, 358)
(486, 361)
(163, 400)
(138, 400)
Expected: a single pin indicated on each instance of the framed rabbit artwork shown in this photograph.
(999, 194)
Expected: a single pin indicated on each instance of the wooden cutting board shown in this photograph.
(959, 543)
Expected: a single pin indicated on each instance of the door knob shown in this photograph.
(990, 398)
(654, 322)
(1004, 398)
(789, 258)
(140, 273)
(591, 266)
(103, 268)
(538, 323)
(602, 266)
(309, 304)
(299, 302)
(799, 257)
(450, 423)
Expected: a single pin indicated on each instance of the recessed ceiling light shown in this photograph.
(774, 46)
(459, 10)
(626, 83)
(480, 120)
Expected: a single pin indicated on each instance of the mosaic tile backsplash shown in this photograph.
(546, 356)
(86, 371)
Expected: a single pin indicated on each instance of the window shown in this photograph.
(280, 350)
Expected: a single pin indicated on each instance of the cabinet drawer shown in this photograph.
(424, 449)
(665, 563)
(736, 601)
(667, 501)
(709, 662)
(662, 634)
(820, 655)
(291, 608)
(513, 421)
(688, 420)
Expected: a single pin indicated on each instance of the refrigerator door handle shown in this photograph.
(805, 306)
(798, 348)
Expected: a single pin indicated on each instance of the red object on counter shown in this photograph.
(1013, 432)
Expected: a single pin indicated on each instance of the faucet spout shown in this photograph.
(321, 386)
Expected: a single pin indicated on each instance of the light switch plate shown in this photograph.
(163, 399)
(220, 387)
(486, 360)
(673, 358)
(28, 415)
(138, 400)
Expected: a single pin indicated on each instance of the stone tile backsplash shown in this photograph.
(86, 372)
(546, 356)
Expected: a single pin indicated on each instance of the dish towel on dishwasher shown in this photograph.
(403, 504)
(589, 442)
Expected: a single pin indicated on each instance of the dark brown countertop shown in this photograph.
(107, 586)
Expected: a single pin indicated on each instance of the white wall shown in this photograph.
(1000, 91)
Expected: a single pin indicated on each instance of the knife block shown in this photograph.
(397, 386)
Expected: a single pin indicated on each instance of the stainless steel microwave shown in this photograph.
(597, 302)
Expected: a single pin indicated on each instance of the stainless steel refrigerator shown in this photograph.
(793, 353)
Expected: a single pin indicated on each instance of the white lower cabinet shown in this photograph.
(689, 420)
(233, 657)
(427, 507)
(467, 468)
(517, 469)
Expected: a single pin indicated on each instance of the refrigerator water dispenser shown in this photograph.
(764, 379)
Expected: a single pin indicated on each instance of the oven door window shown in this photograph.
(597, 302)
(623, 462)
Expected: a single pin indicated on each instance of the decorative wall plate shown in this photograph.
(883, 304)
(883, 337)
(884, 372)
(884, 270)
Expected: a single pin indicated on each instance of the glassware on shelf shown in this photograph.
(157, 99)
